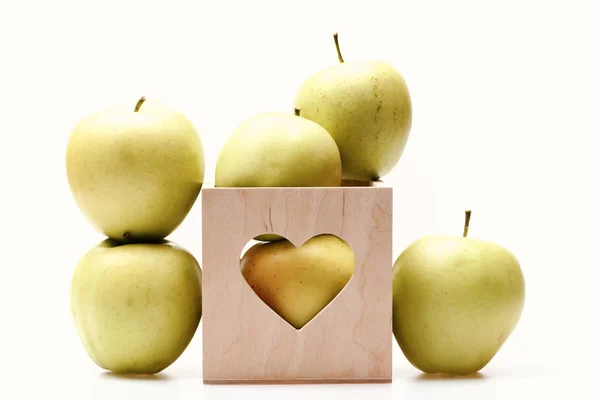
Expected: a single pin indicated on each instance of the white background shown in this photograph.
(506, 98)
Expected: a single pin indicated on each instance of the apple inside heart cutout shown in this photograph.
(297, 283)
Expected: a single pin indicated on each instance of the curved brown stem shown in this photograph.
(139, 104)
(467, 220)
(337, 47)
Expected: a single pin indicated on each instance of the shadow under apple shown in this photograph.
(136, 377)
(448, 377)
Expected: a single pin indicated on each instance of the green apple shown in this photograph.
(455, 302)
(135, 170)
(297, 283)
(277, 149)
(366, 107)
(136, 306)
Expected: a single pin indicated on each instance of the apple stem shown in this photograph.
(467, 219)
(139, 104)
(337, 47)
(297, 112)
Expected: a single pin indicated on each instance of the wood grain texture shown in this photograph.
(244, 340)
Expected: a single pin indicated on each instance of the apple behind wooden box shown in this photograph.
(350, 340)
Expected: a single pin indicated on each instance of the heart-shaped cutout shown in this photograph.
(298, 283)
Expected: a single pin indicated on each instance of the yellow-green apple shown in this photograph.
(276, 149)
(297, 283)
(455, 302)
(135, 170)
(136, 306)
(366, 107)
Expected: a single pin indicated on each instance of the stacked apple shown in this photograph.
(135, 171)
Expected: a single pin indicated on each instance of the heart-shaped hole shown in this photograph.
(298, 283)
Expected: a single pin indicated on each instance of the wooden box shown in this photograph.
(350, 340)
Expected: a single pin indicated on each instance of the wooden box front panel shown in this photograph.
(244, 340)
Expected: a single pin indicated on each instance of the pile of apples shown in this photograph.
(136, 170)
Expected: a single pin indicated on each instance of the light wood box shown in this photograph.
(244, 341)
